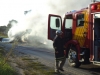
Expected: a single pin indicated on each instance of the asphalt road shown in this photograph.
(46, 56)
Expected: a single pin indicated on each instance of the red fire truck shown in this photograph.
(82, 32)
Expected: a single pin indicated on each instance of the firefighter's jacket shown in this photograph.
(58, 44)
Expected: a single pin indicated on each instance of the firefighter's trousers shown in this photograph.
(59, 63)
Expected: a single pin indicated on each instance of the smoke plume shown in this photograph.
(32, 27)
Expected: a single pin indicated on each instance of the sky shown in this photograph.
(14, 9)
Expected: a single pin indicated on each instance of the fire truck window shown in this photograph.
(68, 24)
(53, 22)
(80, 20)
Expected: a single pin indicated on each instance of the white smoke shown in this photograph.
(36, 21)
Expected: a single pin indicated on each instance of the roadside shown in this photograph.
(5, 68)
(22, 64)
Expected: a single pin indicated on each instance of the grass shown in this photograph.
(34, 67)
(5, 69)
(28, 65)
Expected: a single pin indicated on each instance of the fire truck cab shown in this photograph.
(82, 32)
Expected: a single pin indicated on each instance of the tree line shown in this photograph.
(4, 29)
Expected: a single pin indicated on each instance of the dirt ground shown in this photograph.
(15, 60)
(23, 65)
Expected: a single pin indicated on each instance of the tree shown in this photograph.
(3, 28)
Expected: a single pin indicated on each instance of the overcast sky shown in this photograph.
(14, 9)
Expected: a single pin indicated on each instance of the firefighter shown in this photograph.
(58, 45)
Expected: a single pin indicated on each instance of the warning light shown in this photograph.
(94, 7)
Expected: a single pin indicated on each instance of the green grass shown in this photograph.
(29, 66)
(36, 68)
(5, 69)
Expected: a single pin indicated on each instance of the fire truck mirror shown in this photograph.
(57, 22)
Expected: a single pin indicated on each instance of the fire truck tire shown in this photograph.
(73, 58)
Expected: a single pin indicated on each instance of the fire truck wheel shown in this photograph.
(73, 58)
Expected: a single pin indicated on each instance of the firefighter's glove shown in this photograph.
(64, 47)
(55, 48)
(65, 52)
(56, 52)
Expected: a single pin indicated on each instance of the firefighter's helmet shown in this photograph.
(59, 32)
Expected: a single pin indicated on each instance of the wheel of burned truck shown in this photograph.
(73, 58)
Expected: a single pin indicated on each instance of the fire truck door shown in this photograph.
(68, 27)
(54, 23)
(96, 36)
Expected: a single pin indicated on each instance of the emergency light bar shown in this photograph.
(95, 7)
